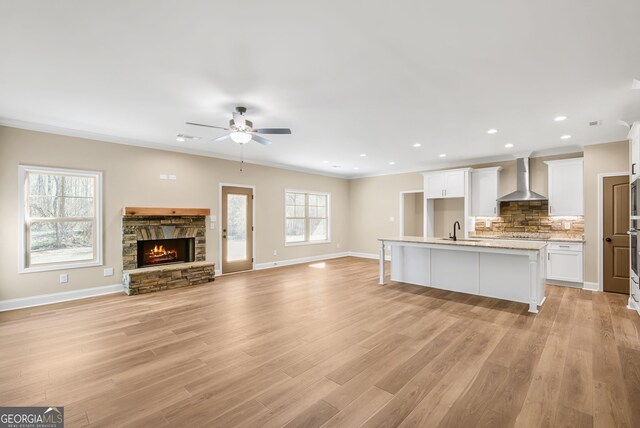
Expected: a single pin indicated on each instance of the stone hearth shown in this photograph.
(158, 278)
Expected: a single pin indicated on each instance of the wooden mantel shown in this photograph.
(145, 211)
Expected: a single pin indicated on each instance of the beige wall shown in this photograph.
(373, 201)
(598, 159)
(413, 214)
(445, 213)
(131, 178)
(418, 217)
(362, 209)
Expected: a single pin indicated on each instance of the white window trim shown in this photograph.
(284, 221)
(22, 256)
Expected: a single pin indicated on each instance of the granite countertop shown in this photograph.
(545, 239)
(475, 242)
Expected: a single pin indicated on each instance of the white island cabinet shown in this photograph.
(506, 270)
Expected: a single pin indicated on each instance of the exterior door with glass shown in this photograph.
(237, 229)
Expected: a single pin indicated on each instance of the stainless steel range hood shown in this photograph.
(523, 190)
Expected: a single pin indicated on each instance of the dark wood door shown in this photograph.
(614, 234)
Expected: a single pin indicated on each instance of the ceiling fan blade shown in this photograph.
(207, 126)
(238, 120)
(259, 139)
(273, 131)
(224, 137)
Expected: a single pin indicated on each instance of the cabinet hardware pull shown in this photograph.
(564, 246)
(633, 168)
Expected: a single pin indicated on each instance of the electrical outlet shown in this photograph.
(64, 278)
(108, 271)
(163, 176)
(212, 222)
(487, 223)
(173, 177)
(392, 219)
(567, 225)
(275, 252)
(338, 245)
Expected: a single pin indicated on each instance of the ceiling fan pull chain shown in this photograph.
(241, 156)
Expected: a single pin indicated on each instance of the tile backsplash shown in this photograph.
(529, 219)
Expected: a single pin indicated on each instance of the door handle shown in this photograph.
(607, 239)
(224, 236)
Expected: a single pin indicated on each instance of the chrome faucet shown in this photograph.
(454, 231)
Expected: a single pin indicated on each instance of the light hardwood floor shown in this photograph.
(313, 346)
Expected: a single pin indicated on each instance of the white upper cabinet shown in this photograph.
(566, 184)
(444, 184)
(485, 185)
(434, 185)
(454, 184)
(634, 137)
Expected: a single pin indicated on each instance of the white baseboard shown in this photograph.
(374, 256)
(259, 266)
(47, 299)
(592, 286)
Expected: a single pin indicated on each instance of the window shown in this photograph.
(306, 217)
(60, 217)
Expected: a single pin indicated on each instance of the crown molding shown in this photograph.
(105, 138)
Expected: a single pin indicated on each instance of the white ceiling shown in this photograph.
(348, 77)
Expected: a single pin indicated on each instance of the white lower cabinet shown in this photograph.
(564, 261)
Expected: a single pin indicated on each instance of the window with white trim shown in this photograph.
(306, 217)
(61, 218)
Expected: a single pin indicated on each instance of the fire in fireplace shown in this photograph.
(163, 251)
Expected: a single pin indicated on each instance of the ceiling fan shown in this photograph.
(242, 130)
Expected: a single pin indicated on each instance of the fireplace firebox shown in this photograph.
(164, 251)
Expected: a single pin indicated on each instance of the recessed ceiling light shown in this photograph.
(565, 137)
(492, 131)
(508, 145)
(417, 145)
(392, 163)
(443, 155)
(356, 168)
(325, 161)
(363, 155)
(560, 118)
(180, 138)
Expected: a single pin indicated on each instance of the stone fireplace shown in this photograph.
(164, 248)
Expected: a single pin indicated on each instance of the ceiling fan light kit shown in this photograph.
(240, 137)
(242, 131)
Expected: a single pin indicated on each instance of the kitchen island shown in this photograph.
(506, 270)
